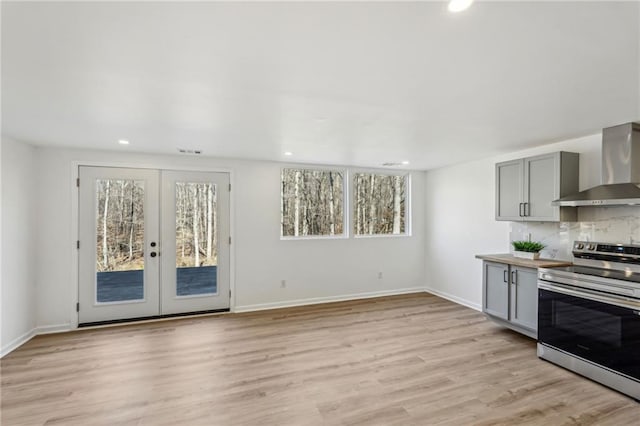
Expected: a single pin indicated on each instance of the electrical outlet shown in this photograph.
(379, 275)
(283, 284)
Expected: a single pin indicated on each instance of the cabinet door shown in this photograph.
(541, 187)
(524, 297)
(509, 190)
(495, 290)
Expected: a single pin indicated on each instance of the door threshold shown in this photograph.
(152, 318)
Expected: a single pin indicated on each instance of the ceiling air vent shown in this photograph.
(189, 151)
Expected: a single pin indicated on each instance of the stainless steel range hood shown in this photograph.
(620, 171)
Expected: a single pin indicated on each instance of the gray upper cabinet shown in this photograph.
(526, 187)
(510, 184)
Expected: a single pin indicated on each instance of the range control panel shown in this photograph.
(606, 251)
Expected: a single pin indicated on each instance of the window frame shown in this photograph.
(346, 226)
(407, 202)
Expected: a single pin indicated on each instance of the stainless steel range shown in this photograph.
(589, 314)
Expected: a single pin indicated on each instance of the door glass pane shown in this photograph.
(120, 240)
(196, 238)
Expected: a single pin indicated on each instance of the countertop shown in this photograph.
(518, 261)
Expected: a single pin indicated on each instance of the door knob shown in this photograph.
(153, 244)
(153, 254)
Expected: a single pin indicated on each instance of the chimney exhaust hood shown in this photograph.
(620, 171)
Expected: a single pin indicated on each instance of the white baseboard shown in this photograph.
(49, 329)
(328, 299)
(61, 328)
(17, 342)
(455, 299)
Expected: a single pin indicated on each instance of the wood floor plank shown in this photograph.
(405, 360)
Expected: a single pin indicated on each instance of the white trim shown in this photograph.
(17, 342)
(50, 329)
(327, 299)
(75, 236)
(455, 299)
(315, 237)
(21, 340)
(154, 166)
(232, 235)
(365, 236)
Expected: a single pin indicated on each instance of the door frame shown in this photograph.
(160, 165)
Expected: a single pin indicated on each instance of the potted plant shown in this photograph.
(527, 249)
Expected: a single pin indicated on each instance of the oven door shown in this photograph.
(598, 327)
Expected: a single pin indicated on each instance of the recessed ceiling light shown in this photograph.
(405, 162)
(288, 153)
(459, 5)
(123, 142)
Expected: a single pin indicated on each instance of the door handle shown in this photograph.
(520, 213)
(504, 275)
(514, 277)
(525, 211)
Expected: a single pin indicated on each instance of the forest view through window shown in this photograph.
(379, 204)
(312, 202)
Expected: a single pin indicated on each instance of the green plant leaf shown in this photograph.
(528, 246)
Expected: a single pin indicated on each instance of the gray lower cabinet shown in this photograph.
(523, 298)
(510, 296)
(495, 297)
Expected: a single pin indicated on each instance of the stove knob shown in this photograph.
(591, 247)
(579, 246)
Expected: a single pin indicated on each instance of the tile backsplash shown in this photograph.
(620, 224)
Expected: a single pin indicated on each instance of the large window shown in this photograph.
(312, 203)
(379, 204)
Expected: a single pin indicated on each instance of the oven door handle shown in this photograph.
(592, 295)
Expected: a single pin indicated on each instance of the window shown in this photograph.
(380, 204)
(312, 202)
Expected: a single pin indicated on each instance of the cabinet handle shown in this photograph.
(504, 275)
(520, 209)
(514, 277)
(526, 209)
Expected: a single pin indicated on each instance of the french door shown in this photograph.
(152, 242)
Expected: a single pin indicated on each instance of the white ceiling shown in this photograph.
(338, 83)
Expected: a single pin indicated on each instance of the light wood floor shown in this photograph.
(405, 360)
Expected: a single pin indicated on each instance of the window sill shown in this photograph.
(315, 237)
(382, 236)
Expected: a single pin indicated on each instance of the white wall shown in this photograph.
(460, 212)
(19, 250)
(315, 270)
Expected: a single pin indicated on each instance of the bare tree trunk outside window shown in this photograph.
(131, 225)
(182, 206)
(296, 207)
(332, 213)
(372, 205)
(283, 206)
(209, 220)
(396, 204)
(105, 236)
(196, 243)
